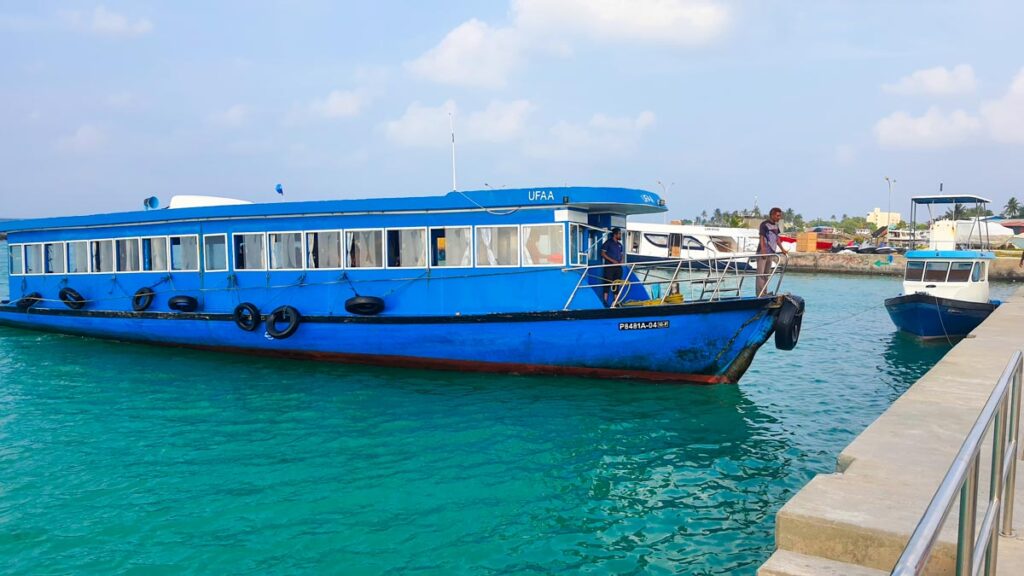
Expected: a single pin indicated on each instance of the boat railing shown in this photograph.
(976, 545)
(699, 279)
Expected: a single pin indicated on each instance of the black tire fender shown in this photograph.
(71, 298)
(286, 314)
(789, 322)
(183, 303)
(142, 299)
(246, 316)
(364, 305)
(29, 300)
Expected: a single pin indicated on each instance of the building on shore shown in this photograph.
(879, 218)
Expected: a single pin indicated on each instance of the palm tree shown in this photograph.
(1012, 208)
(716, 217)
(952, 213)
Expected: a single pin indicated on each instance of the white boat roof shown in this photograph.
(192, 201)
(949, 199)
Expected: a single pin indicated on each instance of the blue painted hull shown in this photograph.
(929, 316)
(707, 342)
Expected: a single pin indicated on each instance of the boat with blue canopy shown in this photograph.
(945, 287)
(491, 280)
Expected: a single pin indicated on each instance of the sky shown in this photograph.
(711, 103)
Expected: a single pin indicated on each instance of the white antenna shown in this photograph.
(451, 121)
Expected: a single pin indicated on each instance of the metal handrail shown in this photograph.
(976, 547)
(707, 273)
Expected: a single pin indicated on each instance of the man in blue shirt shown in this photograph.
(611, 253)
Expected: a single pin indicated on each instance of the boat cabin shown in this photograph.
(953, 274)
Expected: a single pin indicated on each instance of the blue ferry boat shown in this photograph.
(945, 287)
(494, 280)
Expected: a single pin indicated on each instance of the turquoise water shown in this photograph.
(132, 459)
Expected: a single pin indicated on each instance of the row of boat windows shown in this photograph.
(938, 271)
(495, 246)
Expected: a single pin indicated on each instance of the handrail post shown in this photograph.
(965, 533)
(995, 486)
(1006, 527)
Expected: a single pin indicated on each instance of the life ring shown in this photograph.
(246, 316)
(29, 301)
(789, 322)
(183, 304)
(364, 305)
(71, 298)
(142, 298)
(290, 316)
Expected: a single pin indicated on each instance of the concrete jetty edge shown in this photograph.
(858, 519)
(882, 265)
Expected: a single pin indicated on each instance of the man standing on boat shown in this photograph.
(611, 253)
(768, 245)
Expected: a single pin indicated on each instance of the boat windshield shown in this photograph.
(935, 271)
(915, 269)
(960, 272)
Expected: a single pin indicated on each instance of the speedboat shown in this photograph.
(945, 287)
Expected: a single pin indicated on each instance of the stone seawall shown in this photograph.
(857, 520)
(883, 264)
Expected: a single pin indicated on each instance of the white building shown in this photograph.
(879, 218)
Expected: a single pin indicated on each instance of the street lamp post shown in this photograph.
(888, 214)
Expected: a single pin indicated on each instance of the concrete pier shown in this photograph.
(880, 264)
(857, 520)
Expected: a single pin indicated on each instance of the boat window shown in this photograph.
(285, 250)
(154, 254)
(78, 257)
(544, 245)
(632, 241)
(185, 253)
(935, 271)
(915, 270)
(691, 243)
(364, 248)
(323, 250)
(250, 251)
(102, 253)
(960, 272)
(451, 247)
(407, 248)
(33, 258)
(659, 240)
(128, 255)
(215, 253)
(17, 262)
(976, 272)
(53, 254)
(576, 243)
(984, 271)
(497, 246)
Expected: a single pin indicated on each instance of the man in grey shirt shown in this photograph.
(768, 244)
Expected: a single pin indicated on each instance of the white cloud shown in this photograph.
(422, 125)
(933, 130)
(339, 104)
(602, 136)
(499, 122)
(685, 22)
(87, 138)
(233, 117)
(845, 155)
(104, 22)
(1005, 117)
(473, 54)
(937, 81)
(428, 126)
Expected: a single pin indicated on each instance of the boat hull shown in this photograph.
(927, 316)
(705, 342)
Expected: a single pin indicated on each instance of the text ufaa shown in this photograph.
(535, 195)
(643, 325)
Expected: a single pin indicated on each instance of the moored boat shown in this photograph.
(500, 280)
(945, 287)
